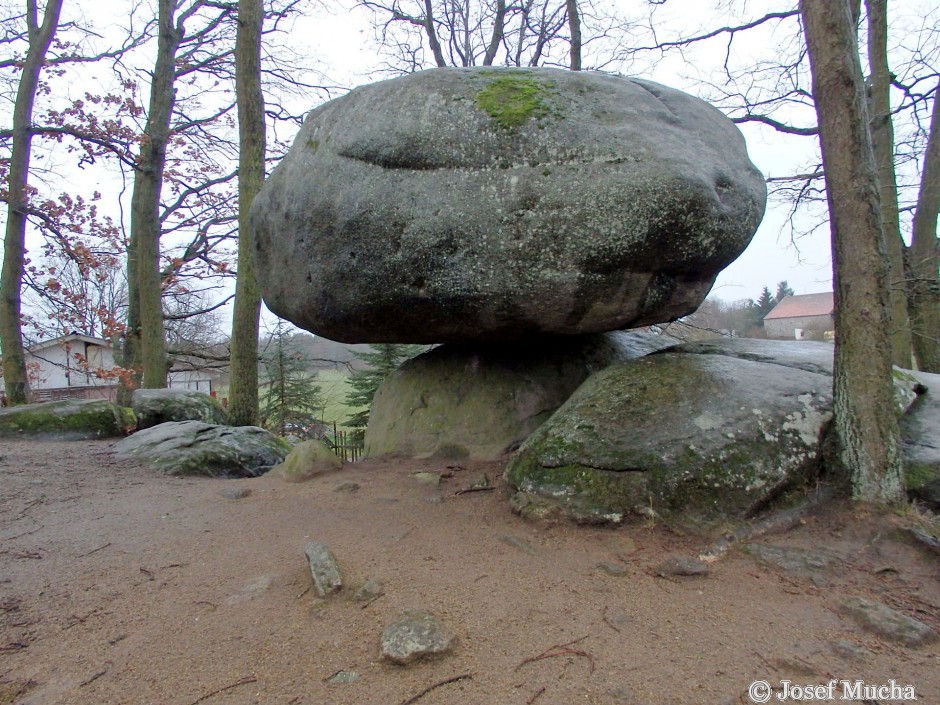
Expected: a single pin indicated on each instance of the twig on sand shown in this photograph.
(434, 686)
(242, 681)
(95, 550)
(369, 602)
(608, 622)
(535, 697)
(91, 680)
(468, 490)
(561, 650)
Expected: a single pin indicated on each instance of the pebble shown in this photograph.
(235, 492)
(370, 590)
(685, 566)
(618, 570)
(432, 479)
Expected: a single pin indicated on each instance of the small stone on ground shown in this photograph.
(618, 570)
(370, 590)
(324, 569)
(235, 492)
(416, 635)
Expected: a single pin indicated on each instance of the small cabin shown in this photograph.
(802, 317)
(79, 366)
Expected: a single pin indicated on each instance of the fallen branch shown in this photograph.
(244, 681)
(366, 604)
(468, 490)
(435, 686)
(13, 646)
(561, 650)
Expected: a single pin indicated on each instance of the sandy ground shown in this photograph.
(120, 585)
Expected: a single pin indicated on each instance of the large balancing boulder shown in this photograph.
(483, 400)
(156, 406)
(460, 205)
(70, 419)
(196, 448)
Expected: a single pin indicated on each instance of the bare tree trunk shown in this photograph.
(925, 254)
(866, 432)
(499, 27)
(130, 347)
(145, 200)
(431, 31)
(14, 241)
(574, 27)
(882, 137)
(243, 409)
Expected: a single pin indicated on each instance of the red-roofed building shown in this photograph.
(807, 316)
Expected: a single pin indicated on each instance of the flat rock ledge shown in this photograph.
(416, 635)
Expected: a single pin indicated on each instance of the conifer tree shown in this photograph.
(290, 396)
(381, 361)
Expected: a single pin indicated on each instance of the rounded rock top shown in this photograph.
(497, 204)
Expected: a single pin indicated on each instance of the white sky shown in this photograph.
(340, 39)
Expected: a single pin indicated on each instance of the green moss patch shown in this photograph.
(512, 100)
(68, 420)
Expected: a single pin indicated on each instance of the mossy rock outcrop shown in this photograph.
(196, 448)
(306, 461)
(70, 419)
(156, 406)
(481, 401)
(698, 436)
(701, 432)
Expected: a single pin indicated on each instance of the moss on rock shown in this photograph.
(306, 461)
(68, 419)
(694, 438)
(513, 99)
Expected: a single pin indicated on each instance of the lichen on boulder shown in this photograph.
(704, 431)
(156, 406)
(696, 437)
(196, 448)
(70, 419)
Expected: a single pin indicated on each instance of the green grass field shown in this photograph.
(334, 386)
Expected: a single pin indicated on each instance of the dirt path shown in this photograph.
(119, 585)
